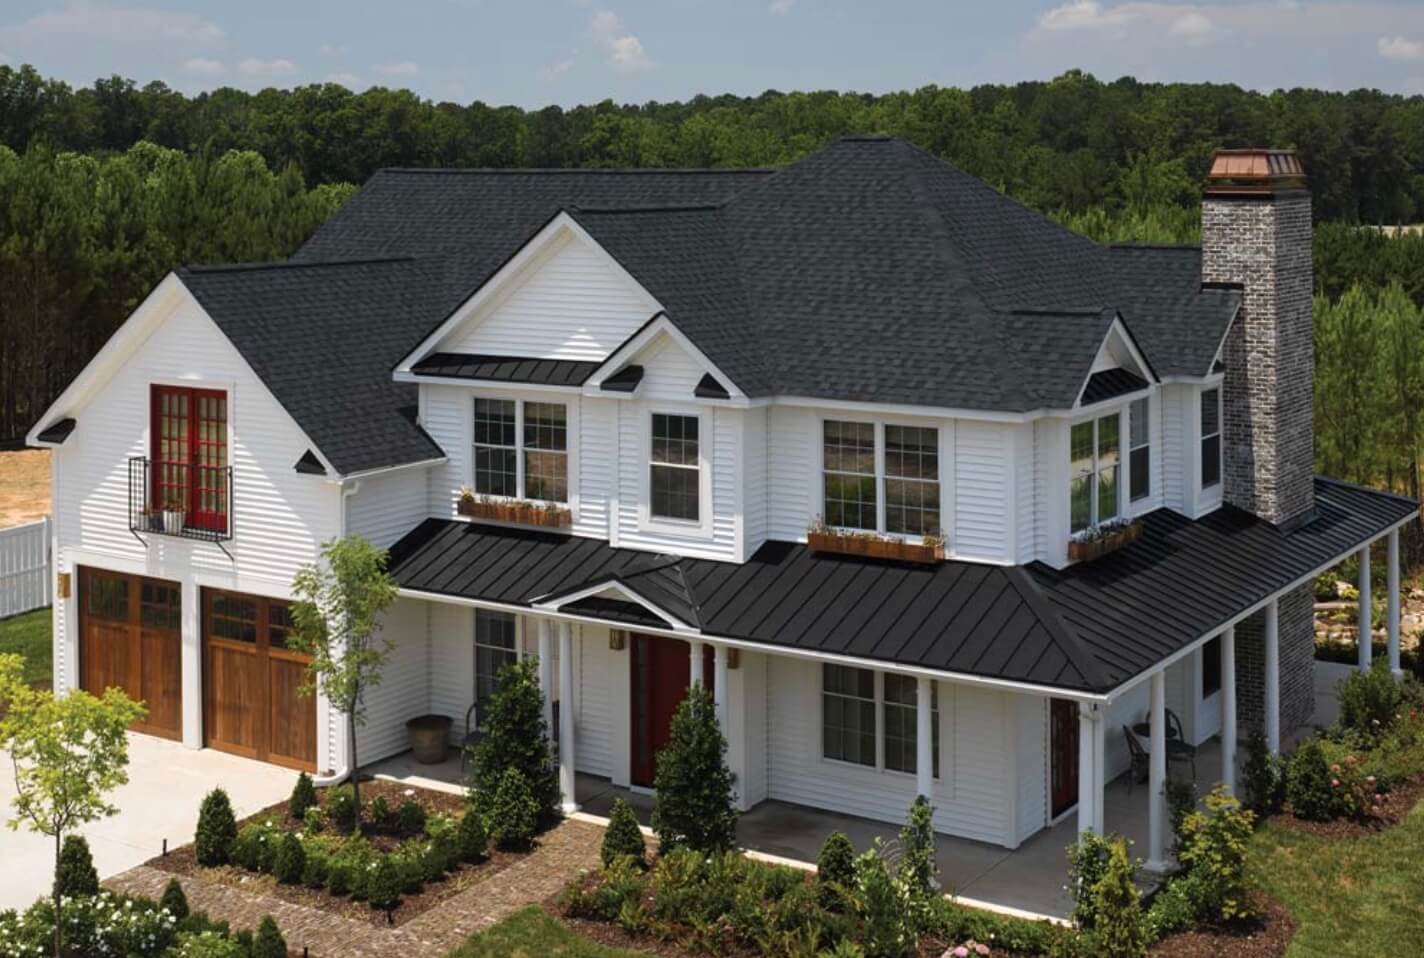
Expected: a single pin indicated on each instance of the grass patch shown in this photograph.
(29, 636)
(534, 933)
(1352, 897)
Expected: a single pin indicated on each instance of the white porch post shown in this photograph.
(1090, 781)
(1228, 709)
(545, 628)
(566, 716)
(1392, 604)
(1366, 643)
(695, 676)
(1271, 684)
(1157, 775)
(924, 739)
(719, 679)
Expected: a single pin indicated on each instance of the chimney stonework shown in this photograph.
(1257, 233)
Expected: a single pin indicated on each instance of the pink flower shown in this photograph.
(981, 949)
(1335, 768)
(960, 952)
(1334, 783)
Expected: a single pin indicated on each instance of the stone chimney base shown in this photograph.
(1297, 638)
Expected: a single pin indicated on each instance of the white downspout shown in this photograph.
(349, 488)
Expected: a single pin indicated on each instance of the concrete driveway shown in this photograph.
(166, 784)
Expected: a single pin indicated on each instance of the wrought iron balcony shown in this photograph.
(180, 499)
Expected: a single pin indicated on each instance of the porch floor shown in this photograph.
(1029, 879)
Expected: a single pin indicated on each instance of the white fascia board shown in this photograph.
(554, 233)
(612, 585)
(1002, 685)
(1221, 346)
(408, 377)
(382, 470)
(659, 325)
(1119, 329)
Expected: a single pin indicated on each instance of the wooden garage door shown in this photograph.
(250, 681)
(131, 638)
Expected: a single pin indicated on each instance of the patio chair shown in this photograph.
(1140, 761)
(473, 734)
(1177, 748)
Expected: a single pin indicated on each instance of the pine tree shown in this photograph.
(1119, 930)
(303, 797)
(217, 830)
(75, 875)
(835, 871)
(174, 901)
(514, 815)
(517, 738)
(623, 836)
(268, 943)
(693, 785)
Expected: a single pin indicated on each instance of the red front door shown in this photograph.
(1063, 755)
(662, 670)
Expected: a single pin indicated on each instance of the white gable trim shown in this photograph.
(615, 588)
(658, 326)
(155, 309)
(1104, 360)
(561, 229)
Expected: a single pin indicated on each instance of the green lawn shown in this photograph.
(531, 933)
(29, 635)
(1362, 896)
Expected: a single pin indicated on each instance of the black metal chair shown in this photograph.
(1177, 748)
(1140, 760)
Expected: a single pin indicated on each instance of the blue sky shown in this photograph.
(579, 51)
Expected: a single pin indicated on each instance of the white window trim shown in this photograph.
(1148, 496)
(647, 522)
(936, 718)
(571, 443)
(1213, 490)
(942, 451)
(475, 645)
(1122, 480)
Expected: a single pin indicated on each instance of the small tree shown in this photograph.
(1262, 778)
(473, 838)
(67, 753)
(514, 816)
(268, 942)
(693, 785)
(336, 619)
(217, 830)
(623, 836)
(1214, 849)
(1310, 788)
(515, 738)
(835, 871)
(1119, 929)
(174, 901)
(76, 875)
(303, 797)
(917, 850)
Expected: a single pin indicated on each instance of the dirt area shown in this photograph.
(1396, 807)
(1267, 935)
(24, 486)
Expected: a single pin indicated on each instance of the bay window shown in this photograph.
(675, 479)
(1095, 464)
(860, 460)
(521, 450)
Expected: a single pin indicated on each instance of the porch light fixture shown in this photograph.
(734, 658)
(617, 639)
(61, 585)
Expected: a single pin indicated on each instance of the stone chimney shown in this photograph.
(1256, 233)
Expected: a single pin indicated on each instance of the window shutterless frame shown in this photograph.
(1210, 437)
(1139, 449)
(519, 449)
(856, 712)
(880, 476)
(1095, 471)
(188, 440)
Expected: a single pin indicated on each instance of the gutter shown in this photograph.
(345, 772)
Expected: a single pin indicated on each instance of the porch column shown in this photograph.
(566, 717)
(1228, 709)
(924, 739)
(545, 629)
(1392, 605)
(719, 681)
(1157, 774)
(1090, 782)
(1366, 642)
(695, 676)
(1271, 684)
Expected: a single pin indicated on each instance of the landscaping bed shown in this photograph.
(1267, 934)
(458, 877)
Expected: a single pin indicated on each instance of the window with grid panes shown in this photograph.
(848, 714)
(495, 637)
(1095, 470)
(902, 723)
(546, 456)
(676, 475)
(1210, 437)
(496, 458)
(234, 617)
(848, 451)
(1139, 444)
(189, 454)
(912, 480)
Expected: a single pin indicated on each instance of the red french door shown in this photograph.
(662, 671)
(1063, 755)
(189, 439)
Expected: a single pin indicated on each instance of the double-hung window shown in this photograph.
(495, 647)
(1210, 437)
(1096, 465)
(853, 476)
(1211, 667)
(854, 712)
(521, 449)
(902, 723)
(1139, 445)
(675, 465)
(189, 454)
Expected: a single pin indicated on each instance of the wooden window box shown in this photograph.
(1086, 550)
(548, 515)
(876, 547)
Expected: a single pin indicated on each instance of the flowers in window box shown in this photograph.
(521, 511)
(1099, 540)
(872, 545)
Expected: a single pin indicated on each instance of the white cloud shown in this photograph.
(1194, 26)
(203, 65)
(625, 51)
(1398, 48)
(279, 67)
(125, 37)
(555, 70)
(1085, 14)
(404, 68)
(781, 7)
(349, 80)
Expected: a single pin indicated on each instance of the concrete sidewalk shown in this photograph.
(166, 784)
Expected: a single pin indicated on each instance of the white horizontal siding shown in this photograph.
(1175, 412)
(598, 459)
(603, 713)
(1031, 756)
(387, 506)
(1025, 506)
(452, 662)
(403, 691)
(572, 304)
(982, 467)
(445, 414)
(793, 483)
(754, 492)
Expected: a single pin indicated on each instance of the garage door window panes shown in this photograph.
(234, 618)
(848, 714)
(279, 626)
(108, 598)
(495, 635)
(160, 606)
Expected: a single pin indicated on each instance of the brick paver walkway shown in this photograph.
(562, 853)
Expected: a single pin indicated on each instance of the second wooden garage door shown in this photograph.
(250, 681)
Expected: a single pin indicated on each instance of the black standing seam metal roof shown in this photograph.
(1111, 383)
(1088, 628)
(509, 369)
(57, 431)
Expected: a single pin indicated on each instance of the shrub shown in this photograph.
(1214, 851)
(692, 784)
(440, 855)
(1181, 802)
(1118, 929)
(1176, 907)
(317, 868)
(1369, 701)
(917, 850)
(340, 877)
(74, 875)
(623, 836)
(378, 810)
(835, 870)
(472, 838)
(341, 808)
(303, 797)
(383, 890)
(881, 905)
(207, 944)
(514, 815)
(1087, 863)
(174, 901)
(256, 847)
(313, 821)
(515, 738)
(1308, 784)
(102, 924)
(217, 829)
(410, 818)
(1262, 778)
(289, 861)
(268, 942)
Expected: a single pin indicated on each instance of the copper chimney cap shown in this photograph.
(1254, 173)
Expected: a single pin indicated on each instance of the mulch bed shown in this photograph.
(1394, 809)
(182, 861)
(1268, 935)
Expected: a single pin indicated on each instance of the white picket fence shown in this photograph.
(25, 573)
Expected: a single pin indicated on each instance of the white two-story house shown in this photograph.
(935, 495)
